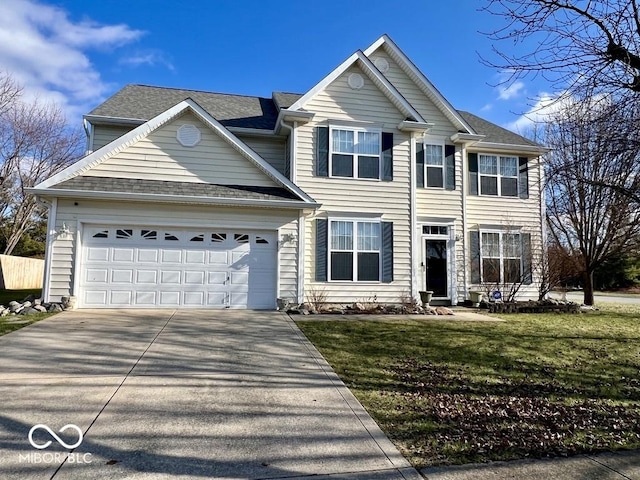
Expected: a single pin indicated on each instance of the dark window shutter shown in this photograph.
(419, 164)
(473, 174)
(450, 167)
(527, 260)
(321, 249)
(387, 156)
(322, 151)
(523, 178)
(387, 252)
(474, 250)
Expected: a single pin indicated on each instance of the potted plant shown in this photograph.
(425, 297)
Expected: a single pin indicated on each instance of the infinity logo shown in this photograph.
(52, 433)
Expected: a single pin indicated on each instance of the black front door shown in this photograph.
(436, 267)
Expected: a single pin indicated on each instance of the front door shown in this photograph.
(436, 267)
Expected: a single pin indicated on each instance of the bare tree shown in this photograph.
(594, 160)
(573, 44)
(35, 143)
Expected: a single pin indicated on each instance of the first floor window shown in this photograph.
(501, 259)
(354, 250)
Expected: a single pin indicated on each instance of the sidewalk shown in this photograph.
(623, 465)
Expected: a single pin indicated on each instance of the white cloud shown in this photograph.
(512, 91)
(46, 53)
(546, 105)
(487, 107)
(148, 58)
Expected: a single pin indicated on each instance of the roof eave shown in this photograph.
(508, 147)
(419, 127)
(161, 198)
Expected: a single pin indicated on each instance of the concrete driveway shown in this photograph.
(184, 394)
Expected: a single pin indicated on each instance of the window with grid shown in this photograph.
(434, 165)
(354, 251)
(498, 175)
(501, 257)
(355, 153)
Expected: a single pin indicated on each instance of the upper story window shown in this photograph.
(355, 153)
(498, 175)
(435, 164)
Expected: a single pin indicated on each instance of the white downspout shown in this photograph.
(51, 232)
(413, 219)
(465, 223)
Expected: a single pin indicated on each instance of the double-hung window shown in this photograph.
(434, 165)
(354, 250)
(355, 153)
(501, 257)
(498, 175)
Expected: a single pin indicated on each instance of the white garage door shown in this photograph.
(166, 267)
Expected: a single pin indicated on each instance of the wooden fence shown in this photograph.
(18, 273)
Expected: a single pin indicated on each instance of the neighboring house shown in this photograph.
(370, 185)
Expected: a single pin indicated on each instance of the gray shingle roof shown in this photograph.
(186, 189)
(494, 133)
(144, 102)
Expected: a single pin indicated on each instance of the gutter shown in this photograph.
(161, 198)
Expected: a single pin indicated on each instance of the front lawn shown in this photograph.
(451, 392)
(11, 323)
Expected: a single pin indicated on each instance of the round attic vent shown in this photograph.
(381, 64)
(355, 81)
(188, 135)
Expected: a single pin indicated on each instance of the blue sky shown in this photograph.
(78, 52)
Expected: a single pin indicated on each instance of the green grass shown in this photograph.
(458, 392)
(7, 324)
(7, 296)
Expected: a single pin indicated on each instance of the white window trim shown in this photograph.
(498, 176)
(354, 250)
(355, 129)
(501, 233)
(440, 143)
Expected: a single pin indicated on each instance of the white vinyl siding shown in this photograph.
(346, 196)
(272, 149)
(105, 134)
(138, 214)
(159, 156)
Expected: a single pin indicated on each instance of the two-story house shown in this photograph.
(368, 185)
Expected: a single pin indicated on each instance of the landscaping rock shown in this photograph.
(13, 306)
(37, 301)
(430, 311)
(28, 311)
(40, 308)
(444, 311)
(26, 304)
(4, 312)
(54, 308)
(29, 299)
(358, 307)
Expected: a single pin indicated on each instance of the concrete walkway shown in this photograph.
(185, 394)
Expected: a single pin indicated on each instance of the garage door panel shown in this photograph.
(146, 277)
(123, 255)
(169, 277)
(194, 278)
(195, 257)
(146, 298)
(150, 267)
(96, 275)
(120, 297)
(122, 276)
(146, 255)
(98, 254)
(194, 299)
(169, 299)
(171, 256)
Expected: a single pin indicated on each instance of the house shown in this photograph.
(369, 185)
